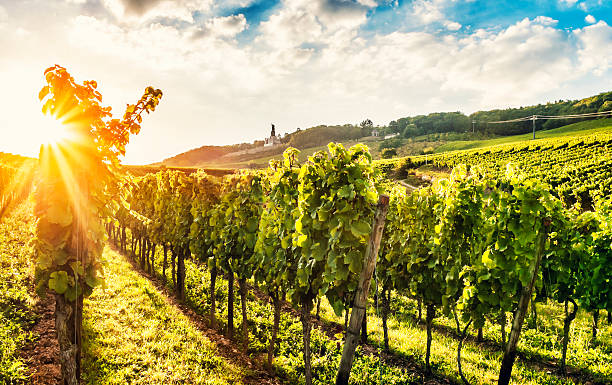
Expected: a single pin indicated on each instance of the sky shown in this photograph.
(228, 69)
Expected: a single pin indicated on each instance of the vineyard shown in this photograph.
(16, 175)
(470, 252)
(576, 168)
(307, 272)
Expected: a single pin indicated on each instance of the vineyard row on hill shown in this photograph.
(578, 169)
(16, 177)
(473, 247)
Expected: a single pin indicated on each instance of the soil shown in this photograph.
(42, 354)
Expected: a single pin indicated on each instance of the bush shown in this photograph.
(427, 150)
(390, 143)
(388, 153)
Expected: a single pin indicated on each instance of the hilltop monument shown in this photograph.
(273, 140)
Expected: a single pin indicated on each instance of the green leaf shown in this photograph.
(252, 225)
(486, 260)
(355, 265)
(359, 228)
(286, 242)
(58, 282)
(59, 214)
(346, 191)
(301, 240)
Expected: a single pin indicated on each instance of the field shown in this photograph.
(575, 129)
(574, 160)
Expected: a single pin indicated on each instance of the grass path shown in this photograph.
(134, 335)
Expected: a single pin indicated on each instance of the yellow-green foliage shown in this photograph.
(16, 301)
(132, 334)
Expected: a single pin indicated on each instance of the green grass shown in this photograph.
(481, 363)
(576, 129)
(288, 362)
(16, 298)
(133, 335)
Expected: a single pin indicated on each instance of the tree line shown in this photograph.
(443, 122)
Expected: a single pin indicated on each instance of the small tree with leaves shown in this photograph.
(71, 199)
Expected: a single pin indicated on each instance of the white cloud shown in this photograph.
(595, 47)
(452, 25)
(3, 15)
(590, 19)
(545, 20)
(228, 26)
(524, 59)
(568, 3)
(308, 65)
(428, 11)
(143, 10)
(368, 3)
(584, 7)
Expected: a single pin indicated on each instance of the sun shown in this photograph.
(53, 131)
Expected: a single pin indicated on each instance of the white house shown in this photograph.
(391, 136)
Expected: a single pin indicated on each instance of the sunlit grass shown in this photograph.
(481, 364)
(16, 299)
(133, 335)
(575, 129)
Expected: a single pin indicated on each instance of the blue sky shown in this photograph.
(390, 16)
(230, 68)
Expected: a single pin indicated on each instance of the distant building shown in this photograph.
(273, 140)
(375, 132)
(391, 136)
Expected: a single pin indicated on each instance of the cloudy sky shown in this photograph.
(230, 68)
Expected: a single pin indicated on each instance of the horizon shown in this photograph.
(228, 69)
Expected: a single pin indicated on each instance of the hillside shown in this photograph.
(435, 132)
(226, 156)
(430, 144)
(575, 129)
(573, 160)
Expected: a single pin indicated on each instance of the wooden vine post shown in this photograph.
(510, 352)
(361, 296)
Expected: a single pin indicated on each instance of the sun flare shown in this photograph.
(53, 131)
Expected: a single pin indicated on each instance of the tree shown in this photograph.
(366, 124)
(416, 256)
(521, 213)
(236, 219)
(458, 238)
(70, 232)
(206, 196)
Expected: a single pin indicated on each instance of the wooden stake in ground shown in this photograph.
(361, 297)
(519, 316)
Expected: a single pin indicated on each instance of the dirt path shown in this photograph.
(42, 355)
